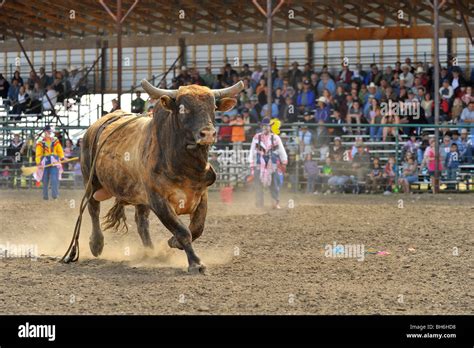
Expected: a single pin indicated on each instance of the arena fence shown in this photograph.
(231, 159)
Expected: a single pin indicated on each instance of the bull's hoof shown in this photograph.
(197, 269)
(96, 245)
(173, 243)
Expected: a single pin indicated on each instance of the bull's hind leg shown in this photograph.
(141, 218)
(96, 241)
(183, 235)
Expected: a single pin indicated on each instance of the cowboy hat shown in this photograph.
(322, 100)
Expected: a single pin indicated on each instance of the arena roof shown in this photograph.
(87, 18)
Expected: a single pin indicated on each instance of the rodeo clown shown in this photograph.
(268, 161)
(48, 152)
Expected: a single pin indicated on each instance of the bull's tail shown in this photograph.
(115, 218)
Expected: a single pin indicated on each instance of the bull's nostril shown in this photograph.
(202, 134)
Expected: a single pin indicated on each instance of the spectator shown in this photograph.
(411, 145)
(326, 83)
(375, 177)
(44, 80)
(257, 76)
(427, 105)
(138, 104)
(77, 148)
(457, 82)
(246, 73)
(196, 79)
(409, 172)
(32, 79)
(451, 162)
(311, 171)
(446, 91)
(225, 131)
(306, 140)
(17, 77)
(295, 75)
(467, 115)
(323, 111)
(209, 78)
(229, 73)
(183, 78)
(359, 74)
(36, 98)
(407, 76)
(345, 76)
(376, 117)
(59, 87)
(325, 174)
(321, 140)
(49, 99)
(456, 110)
(115, 105)
(375, 75)
(389, 175)
(68, 153)
(278, 82)
(360, 166)
(354, 113)
(466, 98)
(305, 99)
(388, 74)
(337, 119)
(13, 93)
(340, 174)
(238, 132)
(4, 87)
(337, 149)
(464, 146)
(22, 101)
(429, 161)
(288, 111)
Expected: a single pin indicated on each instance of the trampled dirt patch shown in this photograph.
(259, 261)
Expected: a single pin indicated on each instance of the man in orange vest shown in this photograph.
(49, 151)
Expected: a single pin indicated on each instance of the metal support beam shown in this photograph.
(269, 14)
(436, 92)
(118, 19)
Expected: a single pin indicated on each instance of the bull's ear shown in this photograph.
(226, 104)
(167, 103)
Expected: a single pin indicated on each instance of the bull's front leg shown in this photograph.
(170, 220)
(198, 219)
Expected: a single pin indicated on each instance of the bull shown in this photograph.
(157, 164)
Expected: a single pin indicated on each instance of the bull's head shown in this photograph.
(194, 108)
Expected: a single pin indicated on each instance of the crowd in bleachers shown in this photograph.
(318, 99)
(40, 92)
(325, 105)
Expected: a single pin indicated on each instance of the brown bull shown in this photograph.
(157, 163)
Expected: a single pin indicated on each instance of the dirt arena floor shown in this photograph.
(259, 261)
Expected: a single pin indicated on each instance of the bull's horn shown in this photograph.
(158, 92)
(229, 91)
